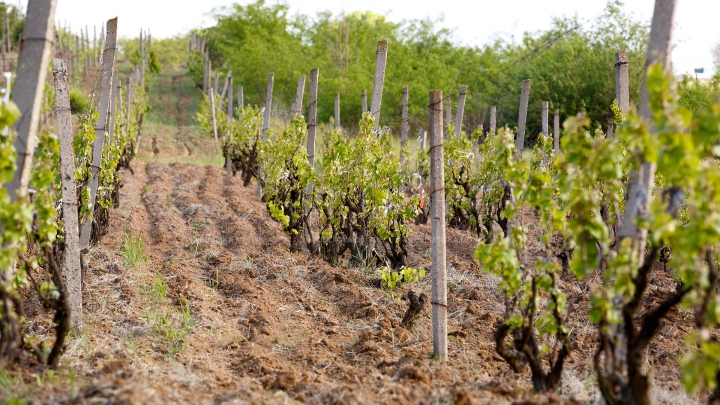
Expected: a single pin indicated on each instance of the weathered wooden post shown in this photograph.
(545, 107)
(363, 101)
(448, 117)
(460, 111)
(640, 184)
(33, 58)
(217, 82)
(206, 77)
(556, 131)
(622, 81)
(524, 98)
(610, 127)
(212, 107)
(228, 158)
(337, 110)
(297, 105)
(493, 120)
(312, 115)
(268, 106)
(382, 49)
(225, 85)
(404, 126)
(241, 98)
(101, 125)
(111, 117)
(311, 128)
(437, 224)
(266, 122)
(73, 274)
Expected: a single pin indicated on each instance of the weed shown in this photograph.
(133, 250)
(132, 343)
(145, 190)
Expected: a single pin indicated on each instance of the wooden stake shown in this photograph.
(206, 80)
(404, 126)
(241, 98)
(33, 58)
(448, 117)
(228, 162)
(382, 49)
(266, 122)
(212, 106)
(268, 106)
(101, 125)
(437, 224)
(363, 100)
(423, 139)
(640, 185)
(622, 81)
(113, 97)
(225, 86)
(297, 106)
(545, 106)
(610, 127)
(217, 82)
(73, 273)
(524, 98)
(556, 131)
(460, 111)
(337, 110)
(493, 120)
(312, 115)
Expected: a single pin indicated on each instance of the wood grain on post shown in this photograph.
(268, 106)
(33, 57)
(73, 272)
(113, 98)
(206, 74)
(266, 122)
(101, 125)
(545, 107)
(214, 118)
(556, 132)
(297, 105)
(228, 161)
(522, 118)
(337, 110)
(460, 111)
(363, 101)
(382, 50)
(229, 97)
(448, 116)
(493, 120)
(640, 184)
(225, 86)
(404, 126)
(312, 115)
(622, 81)
(437, 224)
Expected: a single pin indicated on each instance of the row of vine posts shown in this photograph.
(639, 186)
(113, 117)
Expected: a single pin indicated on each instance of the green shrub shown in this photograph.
(78, 101)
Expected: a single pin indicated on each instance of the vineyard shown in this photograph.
(164, 241)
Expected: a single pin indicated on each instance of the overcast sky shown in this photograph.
(474, 22)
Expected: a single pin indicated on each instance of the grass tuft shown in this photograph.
(133, 250)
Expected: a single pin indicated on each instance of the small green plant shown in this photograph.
(79, 101)
(390, 278)
(133, 250)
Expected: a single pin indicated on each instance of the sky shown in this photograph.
(474, 22)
